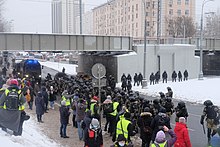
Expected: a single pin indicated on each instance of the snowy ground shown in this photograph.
(31, 137)
(193, 90)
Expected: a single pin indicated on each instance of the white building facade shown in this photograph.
(64, 13)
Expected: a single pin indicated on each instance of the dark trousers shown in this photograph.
(46, 106)
(30, 104)
(145, 143)
(74, 122)
(107, 123)
(39, 118)
(63, 130)
(112, 124)
(164, 80)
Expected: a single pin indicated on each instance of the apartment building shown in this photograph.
(126, 17)
(64, 13)
(87, 23)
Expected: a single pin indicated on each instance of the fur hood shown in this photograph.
(146, 114)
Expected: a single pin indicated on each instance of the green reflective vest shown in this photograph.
(115, 111)
(122, 128)
(67, 100)
(160, 145)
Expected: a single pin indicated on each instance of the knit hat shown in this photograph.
(182, 120)
(160, 137)
(109, 97)
(94, 124)
(63, 103)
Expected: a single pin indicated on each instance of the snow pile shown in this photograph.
(193, 90)
(69, 68)
(31, 137)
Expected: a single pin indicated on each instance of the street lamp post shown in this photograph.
(201, 38)
(144, 84)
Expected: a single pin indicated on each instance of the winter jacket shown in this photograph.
(44, 94)
(171, 141)
(144, 120)
(39, 103)
(52, 96)
(93, 138)
(215, 140)
(64, 115)
(158, 122)
(182, 134)
(80, 111)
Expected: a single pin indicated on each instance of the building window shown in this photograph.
(179, 12)
(132, 18)
(148, 33)
(171, 12)
(148, 23)
(132, 8)
(147, 13)
(136, 15)
(136, 7)
(186, 2)
(136, 25)
(178, 2)
(187, 12)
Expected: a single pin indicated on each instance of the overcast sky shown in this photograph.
(35, 15)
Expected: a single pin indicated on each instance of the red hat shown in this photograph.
(95, 98)
(14, 82)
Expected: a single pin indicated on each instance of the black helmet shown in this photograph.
(162, 110)
(162, 95)
(146, 109)
(168, 88)
(156, 101)
(181, 104)
(208, 103)
(146, 101)
(169, 99)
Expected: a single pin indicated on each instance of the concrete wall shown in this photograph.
(172, 57)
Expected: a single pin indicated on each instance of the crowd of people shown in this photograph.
(125, 111)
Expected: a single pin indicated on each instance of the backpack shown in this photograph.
(12, 100)
(212, 112)
(147, 129)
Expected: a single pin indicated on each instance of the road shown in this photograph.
(197, 136)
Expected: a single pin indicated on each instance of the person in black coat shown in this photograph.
(140, 78)
(159, 121)
(39, 103)
(135, 78)
(152, 78)
(129, 77)
(157, 77)
(180, 76)
(45, 96)
(174, 76)
(144, 122)
(4, 70)
(185, 75)
(164, 76)
(64, 115)
(129, 86)
(86, 121)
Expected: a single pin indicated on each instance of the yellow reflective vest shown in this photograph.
(160, 145)
(67, 100)
(122, 128)
(115, 106)
(21, 107)
(92, 107)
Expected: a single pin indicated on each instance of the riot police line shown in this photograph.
(125, 111)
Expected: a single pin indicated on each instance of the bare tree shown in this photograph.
(5, 25)
(180, 27)
(212, 27)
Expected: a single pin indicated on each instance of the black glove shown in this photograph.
(202, 120)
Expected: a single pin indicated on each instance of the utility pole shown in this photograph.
(80, 15)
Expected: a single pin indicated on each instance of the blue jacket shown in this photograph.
(215, 140)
